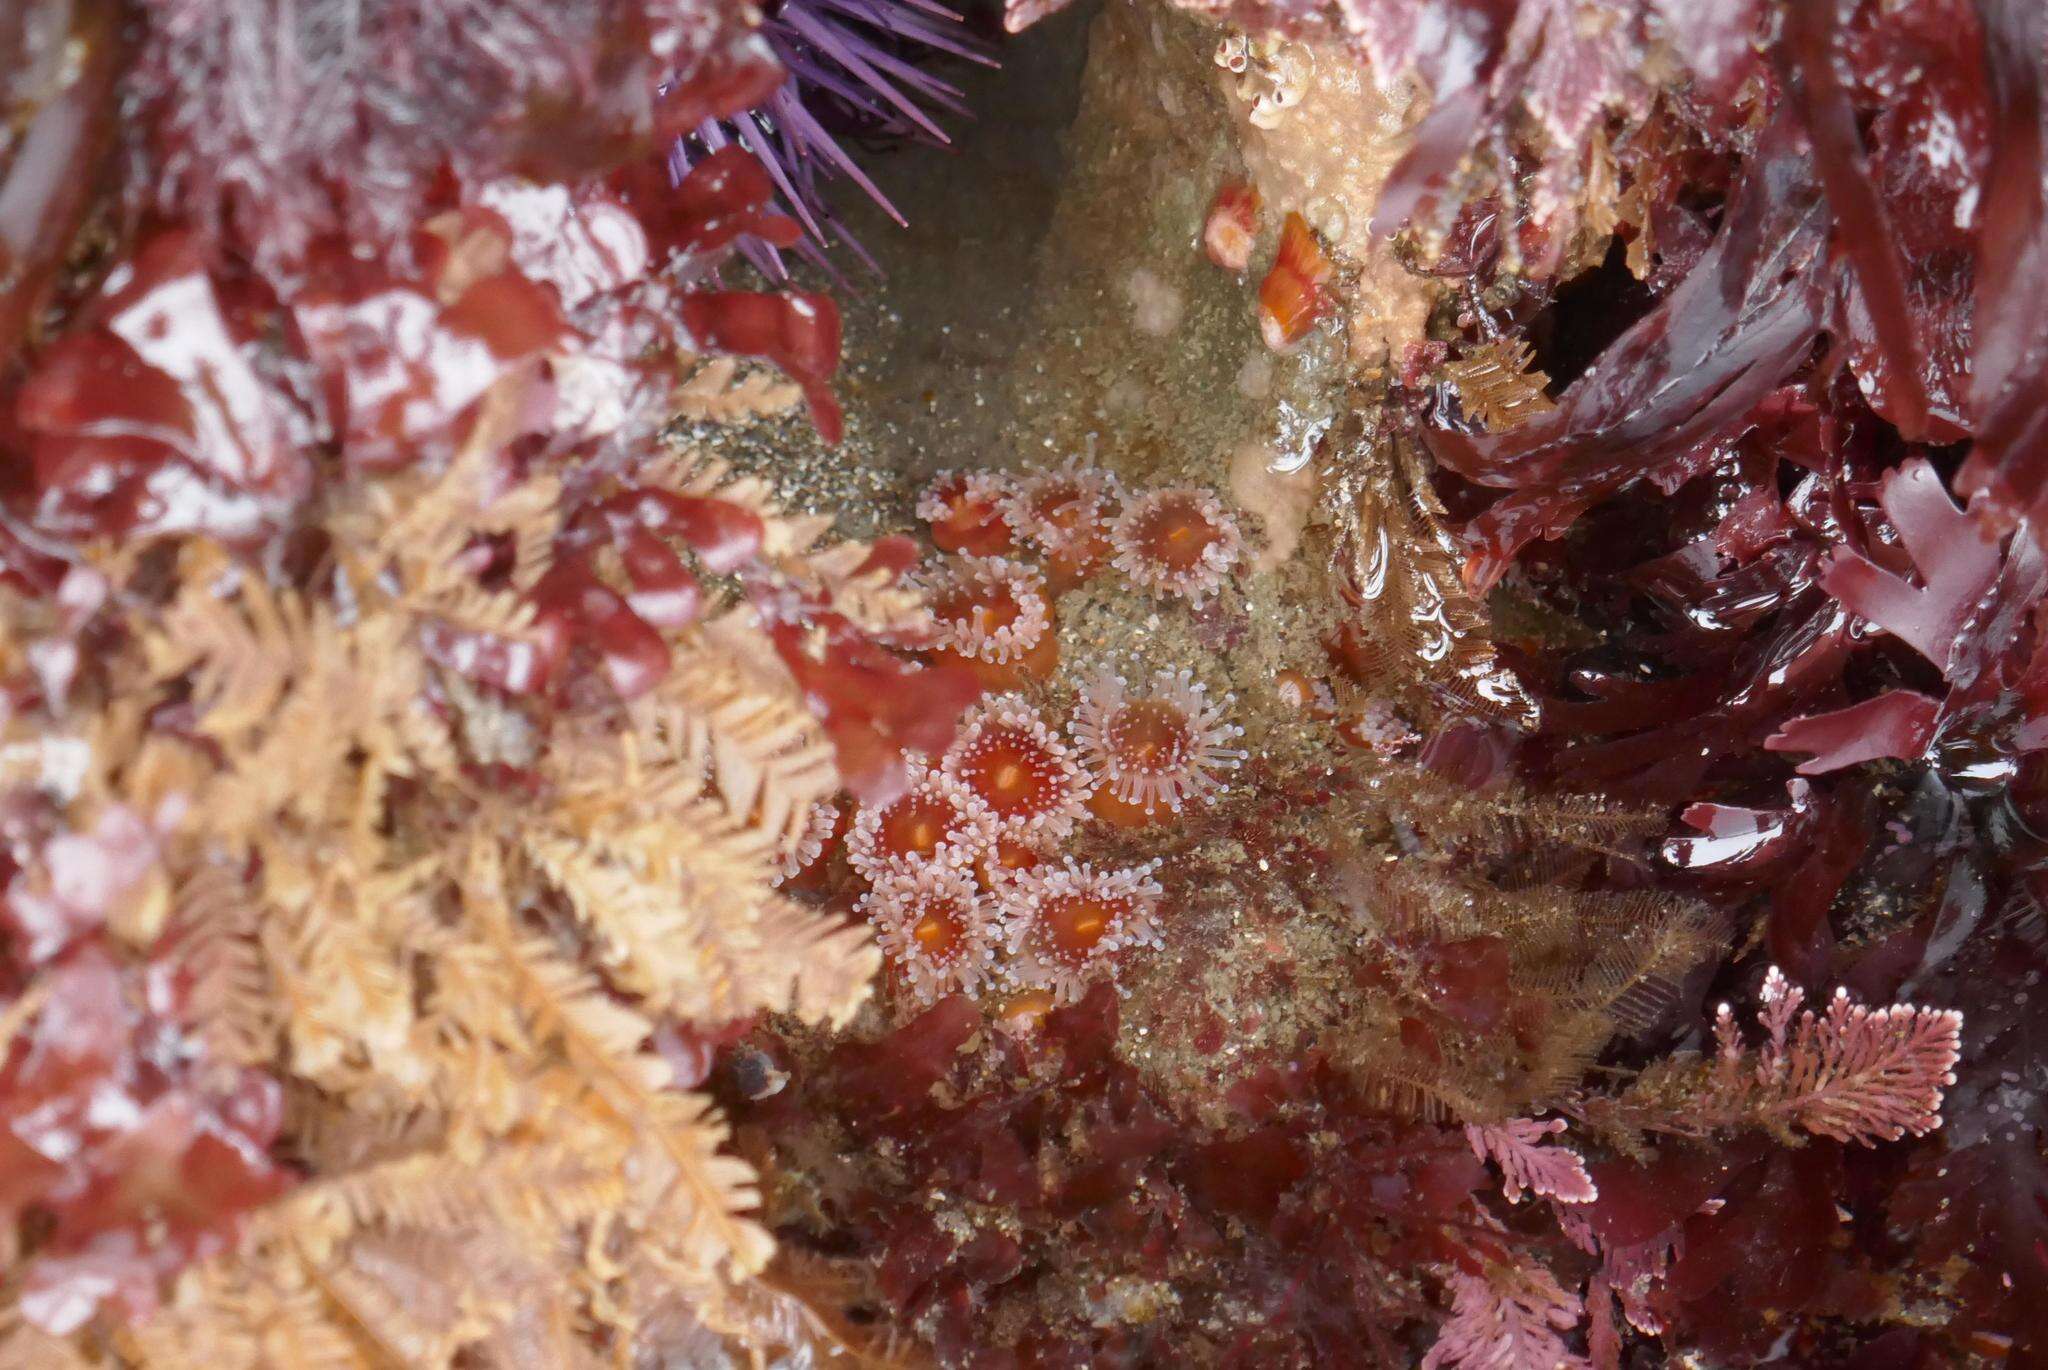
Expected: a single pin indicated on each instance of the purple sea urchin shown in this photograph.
(852, 73)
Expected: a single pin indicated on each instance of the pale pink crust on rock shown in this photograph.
(1065, 512)
(949, 493)
(885, 840)
(1066, 925)
(937, 930)
(1178, 541)
(1019, 769)
(1161, 748)
(990, 608)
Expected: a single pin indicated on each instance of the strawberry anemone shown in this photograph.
(935, 821)
(1292, 296)
(966, 512)
(1177, 541)
(1065, 514)
(821, 823)
(1006, 856)
(934, 927)
(994, 612)
(1018, 768)
(1065, 925)
(1232, 227)
(1159, 749)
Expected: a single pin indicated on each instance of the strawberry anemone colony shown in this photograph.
(967, 875)
(437, 798)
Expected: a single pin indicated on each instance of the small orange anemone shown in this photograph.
(1177, 542)
(1066, 515)
(1291, 297)
(939, 936)
(1157, 750)
(1065, 925)
(1004, 858)
(1018, 769)
(966, 512)
(1232, 226)
(1303, 692)
(1022, 1012)
(821, 823)
(993, 612)
(936, 821)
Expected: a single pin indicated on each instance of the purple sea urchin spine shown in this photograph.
(852, 72)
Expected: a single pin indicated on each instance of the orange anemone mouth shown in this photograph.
(1149, 736)
(1076, 926)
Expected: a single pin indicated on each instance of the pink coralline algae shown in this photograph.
(1512, 1319)
(1851, 1073)
(1526, 1165)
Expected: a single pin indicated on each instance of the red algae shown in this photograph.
(796, 330)
(61, 97)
